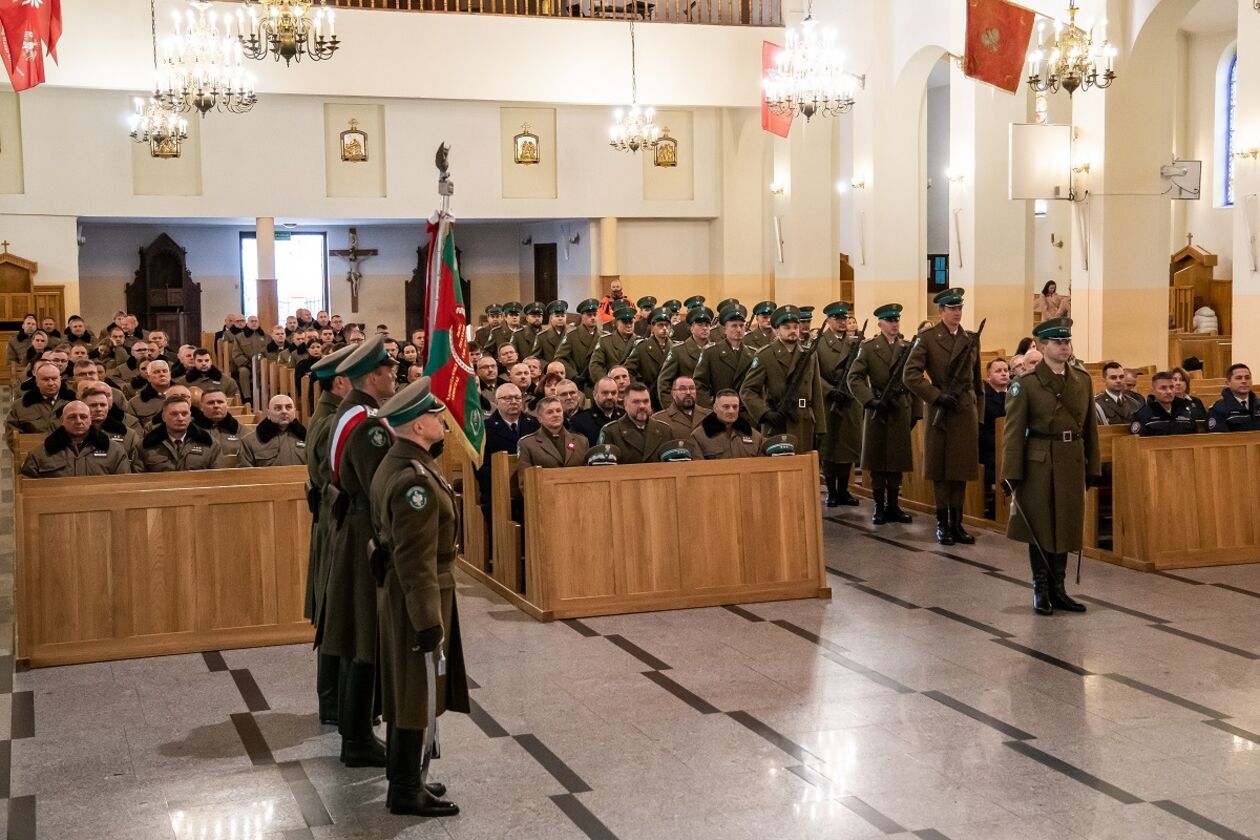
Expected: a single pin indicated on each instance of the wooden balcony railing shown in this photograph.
(710, 12)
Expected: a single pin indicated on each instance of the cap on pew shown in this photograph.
(674, 450)
(602, 455)
(779, 445)
(410, 403)
(1192, 363)
(366, 358)
(326, 368)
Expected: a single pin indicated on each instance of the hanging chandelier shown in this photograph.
(1074, 61)
(202, 66)
(808, 77)
(288, 29)
(154, 123)
(633, 128)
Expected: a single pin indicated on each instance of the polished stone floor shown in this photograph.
(923, 700)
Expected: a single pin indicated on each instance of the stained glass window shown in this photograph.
(1231, 109)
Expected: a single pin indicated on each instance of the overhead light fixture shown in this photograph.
(1073, 61)
(202, 66)
(155, 123)
(288, 29)
(633, 128)
(808, 77)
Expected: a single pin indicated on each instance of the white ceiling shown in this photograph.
(1211, 17)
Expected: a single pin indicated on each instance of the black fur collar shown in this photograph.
(214, 375)
(148, 392)
(194, 433)
(229, 423)
(60, 439)
(113, 422)
(713, 426)
(33, 396)
(249, 332)
(267, 430)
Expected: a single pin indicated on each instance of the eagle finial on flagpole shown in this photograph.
(446, 187)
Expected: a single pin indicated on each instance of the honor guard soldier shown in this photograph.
(524, 338)
(808, 335)
(547, 345)
(485, 333)
(944, 371)
(724, 363)
(890, 412)
(511, 323)
(347, 626)
(684, 357)
(1165, 413)
(761, 333)
(643, 320)
(841, 447)
(682, 329)
(1238, 409)
(415, 535)
(579, 343)
(332, 389)
(648, 356)
(782, 391)
(1049, 454)
(613, 348)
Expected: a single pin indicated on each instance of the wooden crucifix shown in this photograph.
(354, 255)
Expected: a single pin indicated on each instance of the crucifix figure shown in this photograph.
(354, 255)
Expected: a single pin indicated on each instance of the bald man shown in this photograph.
(279, 440)
(76, 448)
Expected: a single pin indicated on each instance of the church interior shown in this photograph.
(726, 648)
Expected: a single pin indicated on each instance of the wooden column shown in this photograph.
(268, 295)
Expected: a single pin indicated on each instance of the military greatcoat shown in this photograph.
(681, 361)
(952, 452)
(575, 353)
(547, 345)
(886, 445)
(764, 386)
(1050, 445)
(415, 519)
(317, 477)
(611, 350)
(843, 442)
(721, 366)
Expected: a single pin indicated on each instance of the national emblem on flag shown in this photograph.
(998, 34)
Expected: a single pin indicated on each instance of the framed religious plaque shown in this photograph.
(525, 147)
(666, 153)
(354, 144)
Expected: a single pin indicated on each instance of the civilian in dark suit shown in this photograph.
(603, 411)
(504, 429)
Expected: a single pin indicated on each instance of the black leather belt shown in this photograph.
(1065, 437)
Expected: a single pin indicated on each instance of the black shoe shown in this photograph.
(944, 533)
(833, 491)
(1041, 582)
(847, 499)
(956, 525)
(878, 517)
(435, 788)
(1059, 598)
(893, 511)
(365, 753)
(417, 802)
(1041, 600)
(327, 688)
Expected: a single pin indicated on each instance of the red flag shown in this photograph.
(998, 33)
(774, 123)
(28, 28)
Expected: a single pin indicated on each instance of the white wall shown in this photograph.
(937, 162)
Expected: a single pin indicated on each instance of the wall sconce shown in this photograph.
(777, 189)
(1252, 152)
(1083, 169)
(527, 241)
(954, 176)
(857, 185)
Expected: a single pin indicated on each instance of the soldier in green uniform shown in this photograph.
(643, 321)
(682, 329)
(347, 626)
(802, 416)
(612, 349)
(808, 334)
(416, 530)
(524, 338)
(547, 345)
(638, 437)
(333, 389)
(648, 356)
(579, 343)
(485, 333)
(889, 415)
(841, 447)
(503, 333)
(762, 333)
(684, 357)
(951, 443)
(1050, 455)
(724, 363)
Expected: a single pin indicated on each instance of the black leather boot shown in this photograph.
(328, 688)
(405, 794)
(842, 487)
(893, 511)
(877, 518)
(1059, 598)
(833, 495)
(359, 745)
(944, 530)
(955, 524)
(1041, 582)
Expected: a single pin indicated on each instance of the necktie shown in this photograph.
(513, 427)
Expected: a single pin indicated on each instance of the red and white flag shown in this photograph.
(998, 34)
(28, 30)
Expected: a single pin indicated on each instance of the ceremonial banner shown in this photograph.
(28, 28)
(446, 341)
(998, 34)
(774, 123)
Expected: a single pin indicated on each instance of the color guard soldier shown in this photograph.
(762, 333)
(1049, 457)
(76, 448)
(682, 329)
(347, 626)
(841, 446)
(890, 412)
(944, 371)
(578, 345)
(1238, 409)
(524, 338)
(724, 363)
(684, 357)
(415, 533)
(547, 345)
(642, 321)
(613, 348)
(485, 333)
(648, 356)
(801, 414)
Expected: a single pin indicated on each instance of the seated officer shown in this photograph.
(683, 415)
(723, 433)
(148, 402)
(638, 437)
(1237, 410)
(77, 448)
(109, 419)
(603, 410)
(1115, 404)
(1164, 413)
(87, 371)
(175, 443)
(279, 440)
(217, 421)
(36, 411)
(553, 445)
(206, 376)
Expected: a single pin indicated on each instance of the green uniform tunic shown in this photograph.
(317, 476)
(681, 361)
(721, 366)
(575, 353)
(951, 453)
(886, 436)
(766, 382)
(611, 350)
(548, 344)
(843, 442)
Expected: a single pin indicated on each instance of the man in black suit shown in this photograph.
(603, 410)
(504, 429)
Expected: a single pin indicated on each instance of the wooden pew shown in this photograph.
(607, 540)
(115, 567)
(476, 554)
(507, 535)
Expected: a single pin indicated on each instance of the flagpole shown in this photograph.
(446, 187)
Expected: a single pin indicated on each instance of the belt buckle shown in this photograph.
(802, 403)
(1067, 437)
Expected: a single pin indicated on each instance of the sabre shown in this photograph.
(434, 666)
(1010, 491)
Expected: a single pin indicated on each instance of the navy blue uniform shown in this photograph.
(1153, 420)
(1229, 414)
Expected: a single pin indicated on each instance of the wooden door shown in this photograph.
(545, 270)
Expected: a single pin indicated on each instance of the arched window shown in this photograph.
(1231, 109)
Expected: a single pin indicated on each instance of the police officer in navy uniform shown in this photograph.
(1165, 413)
(1238, 409)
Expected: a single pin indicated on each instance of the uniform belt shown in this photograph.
(1066, 437)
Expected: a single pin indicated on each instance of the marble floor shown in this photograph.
(923, 700)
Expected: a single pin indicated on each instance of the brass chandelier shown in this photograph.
(1074, 61)
(201, 65)
(634, 128)
(153, 122)
(288, 29)
(808, 77)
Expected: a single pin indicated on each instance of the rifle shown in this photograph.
(837, 405)
(954, 376)
(793, 383)
(895, 385)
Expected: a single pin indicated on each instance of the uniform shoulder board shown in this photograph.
(419, 468)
